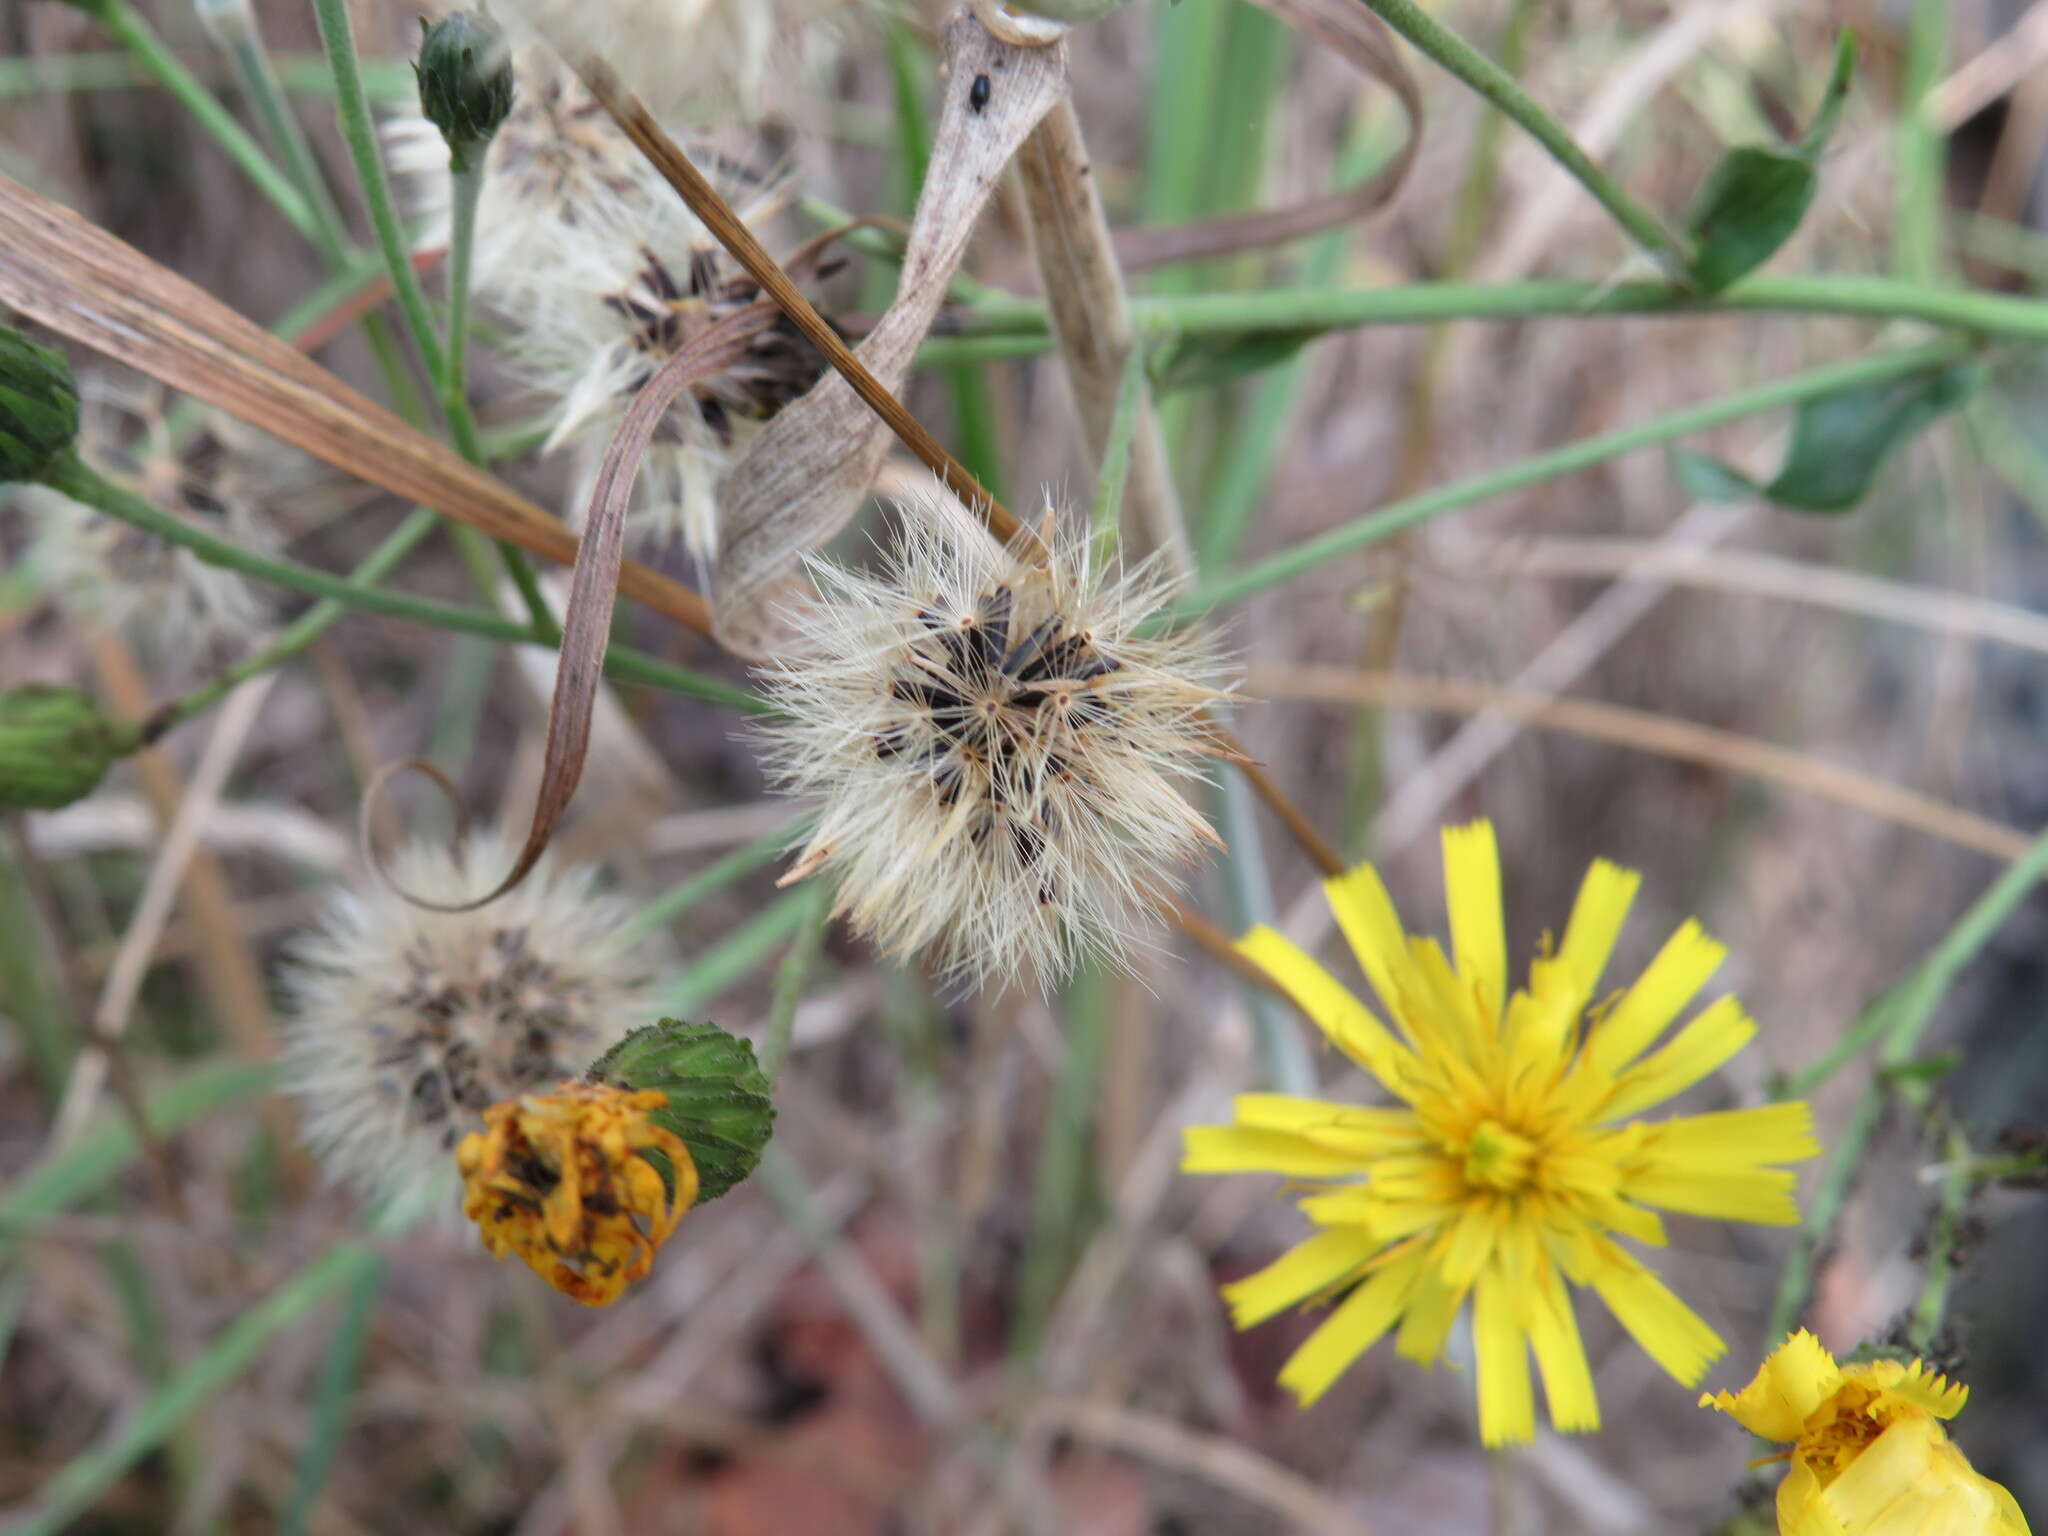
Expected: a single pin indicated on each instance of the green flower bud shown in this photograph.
(718, 1099)
(465, 78)
(38, 407)
(56, 746)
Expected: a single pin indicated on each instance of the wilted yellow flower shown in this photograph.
(1512, 1160)
(1869, 1455)
(560, 1179)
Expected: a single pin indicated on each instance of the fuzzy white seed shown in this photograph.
(1000, 750)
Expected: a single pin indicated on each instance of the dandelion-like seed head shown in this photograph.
(407, 1024)
(600, 274)
(1000, 749)
(109, 576)
(1869, 1454)
(1512, 1158)
(564, 1181)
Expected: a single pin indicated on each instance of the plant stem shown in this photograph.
(135, 34)
(1388, 520)
(1899, 1018)
(467, 185)
(358, 131)
(338, 1371)
(1313, 310)
(713, 878)
(81, 483)
(234, 24)
(793, 975)
(305, 629)
(1916, 229)
(1501, 89)
(1957, 1185)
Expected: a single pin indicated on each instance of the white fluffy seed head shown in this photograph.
(599, 274)
(404, 1024)
(107, 576)
(709, 59)
(1001, 757)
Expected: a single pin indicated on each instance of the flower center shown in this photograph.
(1850, 1427)
(1498, 1158)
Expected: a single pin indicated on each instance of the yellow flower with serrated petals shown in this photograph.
(1511, 1161)
(1869, 1455)
(560, 1180)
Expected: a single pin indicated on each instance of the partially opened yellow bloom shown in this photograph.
(1511, 1160)
(560, 1179)
(1869, 1455)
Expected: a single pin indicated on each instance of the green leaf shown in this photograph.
(1706, 478)
(1202, 362)
(1752, 202)
(1830, 113)
(718, 1100)
(1840, 441)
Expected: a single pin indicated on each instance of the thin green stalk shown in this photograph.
(234, 25)
(308, 626)
(1284, 1060)
(81, 483)
(1905, 1011)
(136, 35)
(1942, 1240)
(724, 963)
(1116, 459)
(1060, 1201)
(1916, 228)
(1314, 310)
(28, 992)
(338, 1371)
(793, 975)
(388, 80)
(359, 132)
(1370, 529)
(71, 1492)
(712, 879)
(1501, 89)
(466, 190)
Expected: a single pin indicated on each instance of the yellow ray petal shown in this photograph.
(1917, 1384)
(1507, 1400)
(1431, 1311)
(1359, 901)
(1795, 1378)
(1348, 1128)
(1669, 1331)
(1348, 1022)
(1561, 1357)
(1589, 937)
(1696, 1052)
(1770, 1133)
(1240, 1149)
(1762, 1195)
(1478, 927)
(1681, 968)
(1353, 1328)
(1366, 1208)
(1304, 1271)
(1463, 1250)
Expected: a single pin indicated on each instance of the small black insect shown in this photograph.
(977, 94)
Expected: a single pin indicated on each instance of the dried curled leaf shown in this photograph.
(809, 468)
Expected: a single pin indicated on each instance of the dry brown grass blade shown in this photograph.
(1354, 34)
(593, 592)
(81, 282)
(1646, 732)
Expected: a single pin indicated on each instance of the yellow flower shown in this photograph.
(1869, 1457)
(559, 1179)
(1511, 1161)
